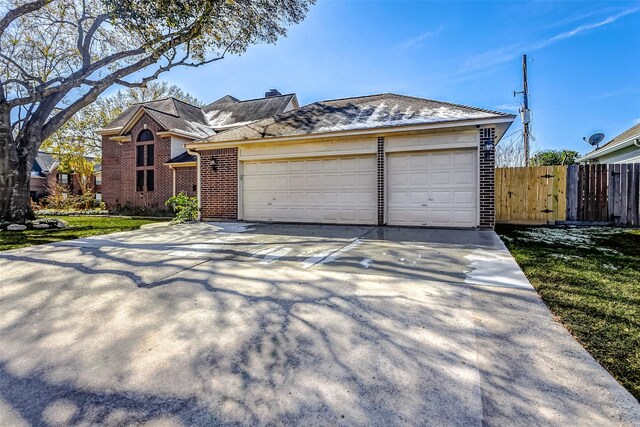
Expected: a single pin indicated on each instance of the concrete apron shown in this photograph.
(265, 324)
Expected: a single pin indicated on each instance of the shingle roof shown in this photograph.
(183, 158)
(374, 111)
(175, 115)
(228, 111)
(44, 163)
(634, 130)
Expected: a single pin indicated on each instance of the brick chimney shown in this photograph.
(272, 92)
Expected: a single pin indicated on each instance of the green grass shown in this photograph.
(590, 279)
(79, 226)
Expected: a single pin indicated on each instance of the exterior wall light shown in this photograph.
(213, 164)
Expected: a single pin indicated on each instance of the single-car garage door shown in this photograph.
(330, 190)
(433, 188)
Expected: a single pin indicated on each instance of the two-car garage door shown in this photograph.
(427, 188)
(338, 190)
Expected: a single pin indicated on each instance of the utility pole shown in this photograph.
(526, 116)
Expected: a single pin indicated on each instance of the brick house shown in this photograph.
(382, 159)
(45, 175)
(144, 159)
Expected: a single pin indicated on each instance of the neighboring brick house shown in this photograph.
(144, 158)
(45, 175)
(382, 160)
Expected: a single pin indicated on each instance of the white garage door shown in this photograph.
(436, 188)
(330, 190)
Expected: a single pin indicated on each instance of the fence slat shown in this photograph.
(604, 207)
(572, 193)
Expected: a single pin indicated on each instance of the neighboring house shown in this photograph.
(380, 159)
(144, 158)
(624, 148)
(45, 176)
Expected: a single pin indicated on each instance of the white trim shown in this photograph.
(381, 131)
(199, 182)
(307, 155)
(174, 132)
(174, 182)
(451, 146)
(479, 187)
(240, 204)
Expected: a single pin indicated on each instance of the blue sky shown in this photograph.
(584, 69)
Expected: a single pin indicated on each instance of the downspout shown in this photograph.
(199, 181)
(174, 180)
(636, 142)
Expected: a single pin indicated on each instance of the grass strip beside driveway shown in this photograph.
(590, 279)
(78, 227)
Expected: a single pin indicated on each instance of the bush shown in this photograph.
(185, 207)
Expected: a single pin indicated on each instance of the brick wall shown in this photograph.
(220, 186)
(487, 178)
(187, 180)
(381, 165)
(119, 171)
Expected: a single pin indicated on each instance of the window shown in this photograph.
(150, 157)
(99, 179)
(64, 178)
(145, 135)
(140, 155)
(99, 197)
(139, 180)
(145, 160)
(150, 180)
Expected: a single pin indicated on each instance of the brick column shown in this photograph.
(220, 185)
(487, 177)
(380, 181)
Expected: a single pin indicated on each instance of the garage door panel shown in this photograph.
(464, 159)
(464, 177)
(437, 188)
(440, 178)
(280, 181)
(313, 181)
(332, 190)
(464, 198)
(441, 197)
(367, 198)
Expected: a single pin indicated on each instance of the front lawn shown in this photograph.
(589, 278)
(79, 226)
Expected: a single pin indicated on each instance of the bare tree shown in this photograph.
(58, 56)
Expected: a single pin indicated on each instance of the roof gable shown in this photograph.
(178, 116)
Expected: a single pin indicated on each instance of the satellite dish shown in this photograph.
(595, 139)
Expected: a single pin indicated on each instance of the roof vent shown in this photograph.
(272, 92)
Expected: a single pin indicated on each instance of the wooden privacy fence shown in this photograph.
(587, 194)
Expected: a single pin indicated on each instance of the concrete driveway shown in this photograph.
(288, 325)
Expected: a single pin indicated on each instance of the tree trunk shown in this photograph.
(15, 174)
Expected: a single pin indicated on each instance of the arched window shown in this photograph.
(145, 135)
(145, 161)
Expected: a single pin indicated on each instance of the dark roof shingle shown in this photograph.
(228, 111)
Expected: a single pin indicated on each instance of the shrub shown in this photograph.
(185, 207)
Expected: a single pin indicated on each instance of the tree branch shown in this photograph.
(19, 11)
